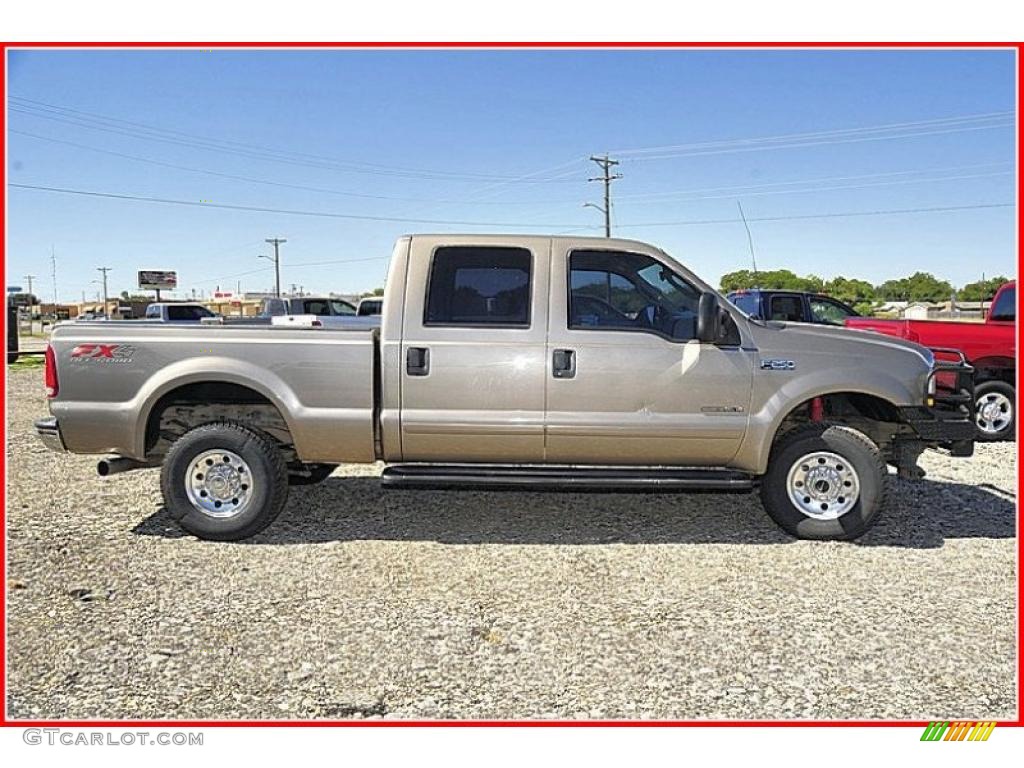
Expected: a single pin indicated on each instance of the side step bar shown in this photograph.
(552, 477)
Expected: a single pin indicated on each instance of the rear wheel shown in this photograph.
(224, 481)
(824, 481)
(994, 410)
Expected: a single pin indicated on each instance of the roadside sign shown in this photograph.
(14, 289)
(158, 279)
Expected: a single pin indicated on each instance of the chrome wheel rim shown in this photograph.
(994, 412)
(823, 485)
(219, 483)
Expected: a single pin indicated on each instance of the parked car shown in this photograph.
(990, 347)
(330, 311)
(370, 306)
(512, 361)
(792, 306)
(179, 312)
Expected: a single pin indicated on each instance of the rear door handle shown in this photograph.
(563, 363)
(417, 361)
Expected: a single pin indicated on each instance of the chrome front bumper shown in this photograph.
(49, 432)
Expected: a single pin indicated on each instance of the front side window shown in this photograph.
(828, 312)
(342, 308)
(479, 285)
(153, 312)
(1005, 307)
(787, 308)
(614, 290)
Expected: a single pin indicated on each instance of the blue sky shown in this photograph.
(502, 137)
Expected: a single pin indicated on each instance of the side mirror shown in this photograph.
(709, 318)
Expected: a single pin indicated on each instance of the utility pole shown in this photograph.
(276, 242)
(607, 177)
(104, 270)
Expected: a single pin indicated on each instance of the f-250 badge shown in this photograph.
(103, 353)
(778, 365)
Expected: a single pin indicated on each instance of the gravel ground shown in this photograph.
(360, 603)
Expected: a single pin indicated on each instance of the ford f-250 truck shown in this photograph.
(512, 362)
(990, 347)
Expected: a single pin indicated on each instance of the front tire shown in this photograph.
(824, 481)
(224, 481)
(995, 413)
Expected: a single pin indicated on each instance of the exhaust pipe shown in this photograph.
(118, 464)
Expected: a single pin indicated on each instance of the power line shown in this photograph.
(149, 133)
(565, 227)
(269, 182)
(838, 132)
(285, 211)
(831, 215)
(751, 188)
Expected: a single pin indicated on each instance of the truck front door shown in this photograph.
(473, 351)
(627, 382)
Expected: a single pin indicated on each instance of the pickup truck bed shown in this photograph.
(321, 381)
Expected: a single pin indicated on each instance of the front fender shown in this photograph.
(775, 397)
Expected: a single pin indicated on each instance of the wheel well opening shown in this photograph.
(874, 416)
(191, 405)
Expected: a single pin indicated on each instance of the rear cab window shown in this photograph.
(787, 308)
(479, 286)
(1005, 307)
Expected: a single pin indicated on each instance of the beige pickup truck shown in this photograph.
(523, 362)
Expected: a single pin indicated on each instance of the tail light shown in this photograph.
(50, 373)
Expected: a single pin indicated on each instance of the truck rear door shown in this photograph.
(473, 350)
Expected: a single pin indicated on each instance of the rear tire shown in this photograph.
(995, 406)
(224, 481)
(824, 481)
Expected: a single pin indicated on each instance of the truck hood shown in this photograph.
(835, 340)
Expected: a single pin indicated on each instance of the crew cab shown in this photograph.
(792, 306)
(990, 347)
(512, 362)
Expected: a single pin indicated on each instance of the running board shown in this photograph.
(577, 478)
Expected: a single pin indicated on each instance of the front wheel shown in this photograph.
(224, 481)
(824, 481)
(994, 414)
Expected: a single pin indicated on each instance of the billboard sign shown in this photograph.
(158, 280)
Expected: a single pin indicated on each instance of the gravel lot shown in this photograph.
(360, 603)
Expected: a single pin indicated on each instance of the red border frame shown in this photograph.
(463, 44)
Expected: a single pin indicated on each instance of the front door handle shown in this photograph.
(417, 361)
(563, 363)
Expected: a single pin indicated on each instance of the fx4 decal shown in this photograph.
(103, 353)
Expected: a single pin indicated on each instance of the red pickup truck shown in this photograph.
(990, 347)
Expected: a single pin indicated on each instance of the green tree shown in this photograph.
(982, 290)
(850, 290)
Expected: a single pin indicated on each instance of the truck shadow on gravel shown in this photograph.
(919, 514)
